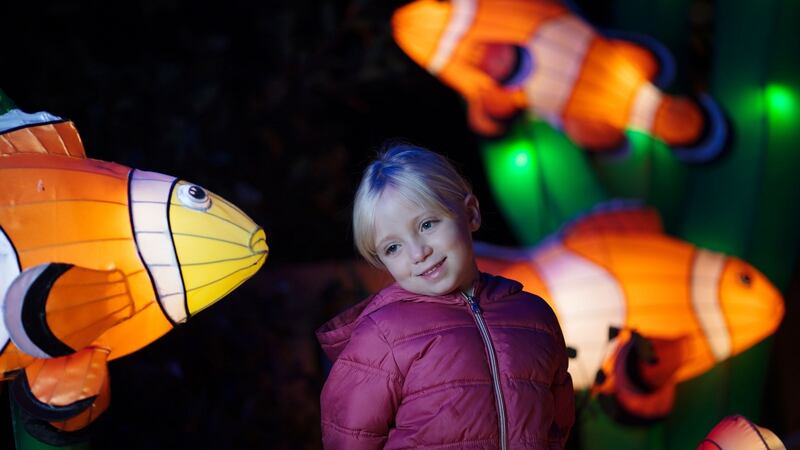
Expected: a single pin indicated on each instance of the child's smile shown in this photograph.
(434, 271)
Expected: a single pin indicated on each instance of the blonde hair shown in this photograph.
(423, 177)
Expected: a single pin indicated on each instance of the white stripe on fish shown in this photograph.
(150, 197)
(706, 272)
(463, 13)
(587, 299)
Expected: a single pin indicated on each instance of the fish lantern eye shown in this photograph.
(194, 197)
(745, 278)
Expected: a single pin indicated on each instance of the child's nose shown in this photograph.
(420, 252)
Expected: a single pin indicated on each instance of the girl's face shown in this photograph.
(426, 252)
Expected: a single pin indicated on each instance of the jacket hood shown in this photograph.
(334, 335)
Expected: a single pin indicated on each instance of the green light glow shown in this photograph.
(522, 159)
(539, 179)
(781, 100)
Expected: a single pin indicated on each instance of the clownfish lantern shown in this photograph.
(505, 56)
(643, 311)
(98, 260)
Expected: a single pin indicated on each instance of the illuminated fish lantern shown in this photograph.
(98, 260)
(738, 433)
(642, 311)
(505, 56)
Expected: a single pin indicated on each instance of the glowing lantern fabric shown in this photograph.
(738, 433)
(97, 260)
(619, 285)
(509, 55)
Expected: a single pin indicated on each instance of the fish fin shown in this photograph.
(490, 111)
(58, 398)
(618, 216)
(594, 135)
(647, 53)
(62, 388)
(54, 309)
(639, 379)
(54, 138)
(711, 140)
(639, 56)
(481, 122)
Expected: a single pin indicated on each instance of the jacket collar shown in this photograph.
(335, 334)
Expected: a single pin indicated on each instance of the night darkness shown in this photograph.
(276, 106)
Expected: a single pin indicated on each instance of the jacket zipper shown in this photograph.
(498, 395)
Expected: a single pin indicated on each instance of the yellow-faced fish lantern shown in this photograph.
(505, 56)
(738, 433)
(641, 310)
(98, 260)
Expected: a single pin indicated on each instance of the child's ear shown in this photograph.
(473, 212)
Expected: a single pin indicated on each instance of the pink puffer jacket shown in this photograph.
(413, 371)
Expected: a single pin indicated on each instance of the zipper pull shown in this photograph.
(472, 304)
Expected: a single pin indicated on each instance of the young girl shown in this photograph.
(446, 357)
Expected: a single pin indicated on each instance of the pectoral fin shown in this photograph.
(59, 389)
(55, 309)
(481, 121)
(61, 396)
(638, 382)
(490, 111)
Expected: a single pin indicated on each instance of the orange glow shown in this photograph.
(593, 88)
(93, 242)
(618, 269)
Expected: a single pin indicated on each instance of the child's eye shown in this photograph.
(427, 225)
(390, 249)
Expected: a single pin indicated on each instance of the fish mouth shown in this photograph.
(431, 269)
(258, 242)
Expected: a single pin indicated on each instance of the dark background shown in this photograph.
(276, 106)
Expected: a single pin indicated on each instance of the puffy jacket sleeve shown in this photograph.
(362, 392)
(564, 400)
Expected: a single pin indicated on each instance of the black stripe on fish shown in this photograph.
(34, 316)
(175, 249)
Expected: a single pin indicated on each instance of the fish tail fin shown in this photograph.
(713, 136)
(678, 120)
(56, 309)
(696, 129)
(63, 394)
(490, 111)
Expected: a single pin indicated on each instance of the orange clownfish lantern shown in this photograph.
(642, 311)
(504, 56)
(97, 260)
